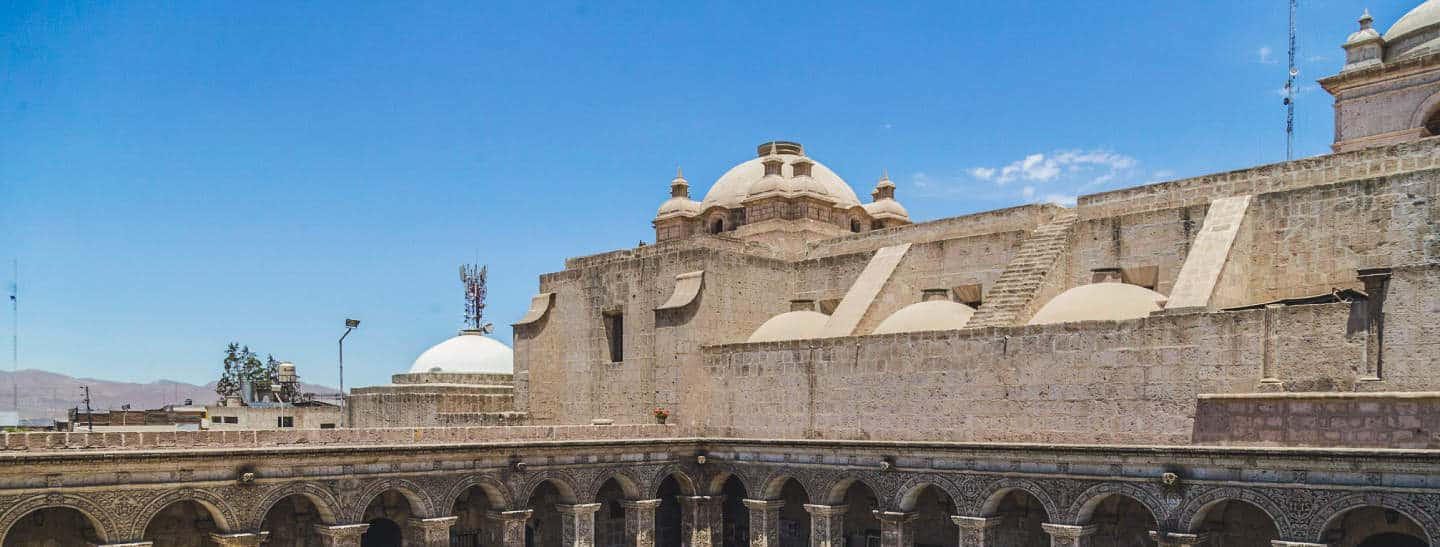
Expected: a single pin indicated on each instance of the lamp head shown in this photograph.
(352, 323)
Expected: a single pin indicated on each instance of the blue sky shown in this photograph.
(175, 177)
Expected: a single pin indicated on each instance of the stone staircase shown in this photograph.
(1025, 273)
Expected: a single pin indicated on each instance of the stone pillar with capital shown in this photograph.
(341, 535)
(977, 531)
(507, 528)
(764, 522)
(896, 529)
(701, 521)
(640, 522)
(577, 524)
(1069, 535)
(129, 544)
(827, 525)
(428, 532)
(1177, 539)
(1283, 543)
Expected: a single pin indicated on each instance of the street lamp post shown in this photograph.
(350, 325)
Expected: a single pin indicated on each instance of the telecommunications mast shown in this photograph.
(1290, 91)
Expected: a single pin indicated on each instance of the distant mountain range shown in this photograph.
(49, 395)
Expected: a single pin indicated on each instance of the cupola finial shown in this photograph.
(679, 187)
(1366, 19)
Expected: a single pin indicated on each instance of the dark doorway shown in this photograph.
(382, 533)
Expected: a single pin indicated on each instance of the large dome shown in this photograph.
(1108, 301)
(927, 316)
(791, 325)
(470, 352)
(1415, 33)
(738, 182)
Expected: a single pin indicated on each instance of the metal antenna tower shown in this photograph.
(1290, 91)
(474, 278)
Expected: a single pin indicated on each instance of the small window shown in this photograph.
(854, 225)
(285, 421)
(717, 226)
(1433, 124)
(232, 419)
(615, 335)
(327, 426)
(214, 419)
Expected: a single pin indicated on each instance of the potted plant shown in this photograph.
(661, 415)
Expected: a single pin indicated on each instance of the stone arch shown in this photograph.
(1337, 509)
(1190, 513)
(773, 481)
(629, 485)
(682, 478)
(414, 494)
(715, 482)
(324, 500)
(1087, 501)
(220, 510)
(104, 523)
(834, 491)
(498, 493)
(563, 483)
(1001, 488)
(1428, 110)
(909, 492)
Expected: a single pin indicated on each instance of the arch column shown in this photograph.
(1176, 539)
(764, 522)
(827, 525)
(341, 535)
(242, 539)
(896, 529)
(508, 527)
(701, 520)
(129, 544)
(1069, 535)
(577, 524)
(428, 532)
(977, 531)
(640, 522)
(1283, 543)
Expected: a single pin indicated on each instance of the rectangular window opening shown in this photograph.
(615, 335)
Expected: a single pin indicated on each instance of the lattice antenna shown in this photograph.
(473, 276)
(1290, 91)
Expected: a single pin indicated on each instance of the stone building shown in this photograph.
(463, 381)
(1240, 359)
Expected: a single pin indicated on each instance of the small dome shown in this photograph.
(887, 208)
(927, 316)
(1108, 301)
(792, 325)
(1415, 33)
(678, 206)
(738, 183)
(470, 352)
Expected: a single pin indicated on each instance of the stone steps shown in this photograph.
(1025, 273)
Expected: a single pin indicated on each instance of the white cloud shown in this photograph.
(1266, 55)
(1299, 90)
(1058, 177)
(1067, 200)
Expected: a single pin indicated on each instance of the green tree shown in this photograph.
(242, 366)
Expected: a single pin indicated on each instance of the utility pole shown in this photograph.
(15, 336)
(89, 417)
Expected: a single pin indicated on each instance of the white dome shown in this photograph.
(1415, 33)
(791, 325)
(927, 316)
(469, 352)
(1109, 301)
(737, 183)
